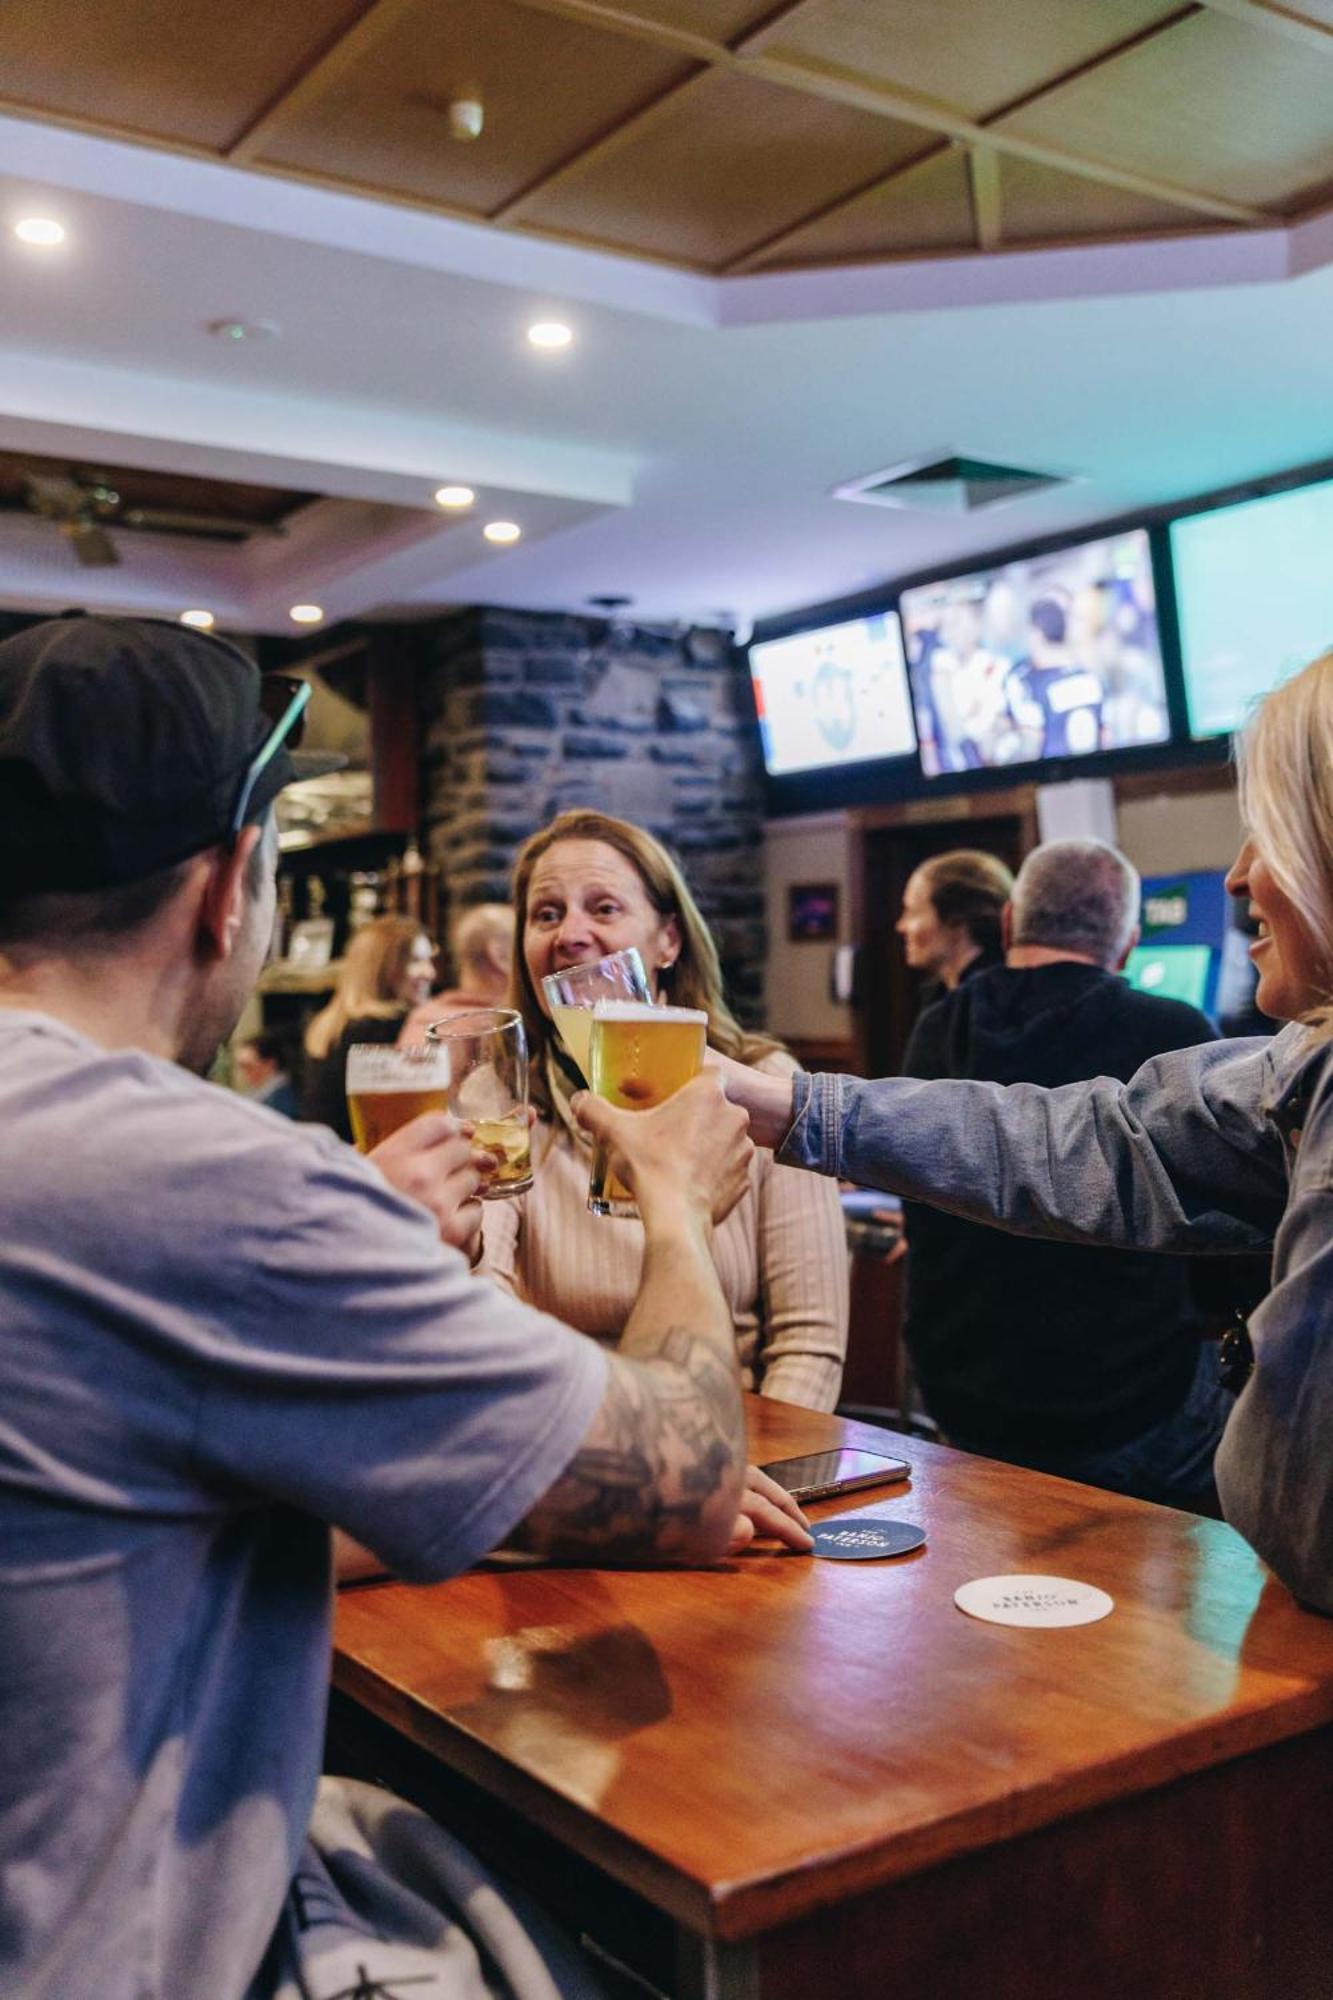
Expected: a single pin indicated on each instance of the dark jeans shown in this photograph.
(1171, 1463)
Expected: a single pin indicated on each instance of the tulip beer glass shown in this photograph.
(487, 1055)
(387, 1086)
(572, 994)
(640, 1056)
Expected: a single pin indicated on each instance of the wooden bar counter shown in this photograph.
(786, 1778)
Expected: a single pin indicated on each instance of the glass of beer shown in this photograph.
(572, 994)
(387, 1086)
(640, 1056)
(487, 1056)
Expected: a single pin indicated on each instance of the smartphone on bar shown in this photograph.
(826, 1472)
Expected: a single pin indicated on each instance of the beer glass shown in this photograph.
(571, 996)
(640, 1056)
(387, 1086)
(487, 1056)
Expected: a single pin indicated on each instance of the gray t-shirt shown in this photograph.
(218, 1332)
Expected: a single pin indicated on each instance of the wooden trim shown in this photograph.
(1015, 801)
(1271, 18)
(840, 85)
(642, 120)
(635, 122)
(334, 60)
(1181, 781)
(776, 238)
(983, 180)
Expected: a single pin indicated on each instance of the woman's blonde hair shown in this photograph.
(968, 888)
(695, 980)
(1284, 759)
(370, 982)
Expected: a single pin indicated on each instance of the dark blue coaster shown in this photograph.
(864, 1537)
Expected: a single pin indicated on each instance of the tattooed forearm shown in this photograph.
(658, 1477)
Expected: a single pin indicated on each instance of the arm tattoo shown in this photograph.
(667, 1440)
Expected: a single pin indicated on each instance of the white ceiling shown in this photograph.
(682, 452)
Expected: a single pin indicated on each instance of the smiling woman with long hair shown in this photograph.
(584, 886)
(1227, 1147)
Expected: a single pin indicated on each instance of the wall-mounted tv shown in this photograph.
(1254, 599)
(1051, 656)
(832, 696)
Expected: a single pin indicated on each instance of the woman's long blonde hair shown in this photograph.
(370, 982)
(695, 980)
(1284, 759)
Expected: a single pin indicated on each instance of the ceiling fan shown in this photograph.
(83, 506)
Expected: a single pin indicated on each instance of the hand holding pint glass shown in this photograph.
(639, 1056)
(486, 1053)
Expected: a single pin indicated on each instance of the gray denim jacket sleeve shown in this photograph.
(1227, 1147)
(1180, 1158)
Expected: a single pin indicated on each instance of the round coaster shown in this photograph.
(863, 1537)
(1033, 1600)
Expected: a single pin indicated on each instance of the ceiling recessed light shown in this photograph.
(41, 230)
(550, 333)
(306, 614)
(502, 531)
(454, 496)
(236, 330)
(202, 621)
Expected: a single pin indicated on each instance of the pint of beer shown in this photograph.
(570, 995)
(486, 1054)
(640, 1056)
(386, 1087)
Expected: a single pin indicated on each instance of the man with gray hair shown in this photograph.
(1079, 1361)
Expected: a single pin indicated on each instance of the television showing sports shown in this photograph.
(1254, 597)
(1053, 656)
(1173, 971)
(836, 695)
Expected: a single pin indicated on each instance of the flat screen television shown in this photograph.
(1254, 599)
(1173, 971)
(1047, 657)
(832, 696)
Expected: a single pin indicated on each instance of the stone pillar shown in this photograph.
(527, 713)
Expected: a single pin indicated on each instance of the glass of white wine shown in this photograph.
(487, 1054)
(572, 994)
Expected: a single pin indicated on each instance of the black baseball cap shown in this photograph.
(127, 744)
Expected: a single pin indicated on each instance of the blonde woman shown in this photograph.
(584, 886)
(389, 967)
(1225, 1147)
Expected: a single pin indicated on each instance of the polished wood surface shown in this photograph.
(747, 1746)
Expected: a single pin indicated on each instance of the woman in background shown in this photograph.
(389, 967)
(584, 886)
(950, 922)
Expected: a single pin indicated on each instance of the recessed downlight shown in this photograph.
(234, 331)
(550, 333)
(202, 621)
(454, 497)
(43, 231)
(306, 614)
(502, 531)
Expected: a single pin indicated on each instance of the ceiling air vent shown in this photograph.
(946, 484)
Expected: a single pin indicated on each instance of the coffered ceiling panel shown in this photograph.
(975, 58)
(726, 163)
(549, 87)
(1040, 205)
(1216, 104)
(717, 20)
(189, 70)
(924, 207)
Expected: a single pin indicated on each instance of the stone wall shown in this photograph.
(525, 714)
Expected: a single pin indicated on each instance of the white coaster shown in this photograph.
(1033, 1600)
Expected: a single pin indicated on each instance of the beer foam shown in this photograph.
(642, 1010)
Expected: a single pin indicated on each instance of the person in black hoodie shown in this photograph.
(1079, 1361)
